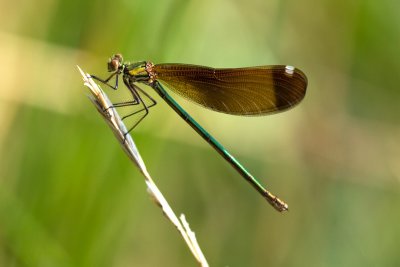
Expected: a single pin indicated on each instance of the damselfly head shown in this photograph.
(114, 63)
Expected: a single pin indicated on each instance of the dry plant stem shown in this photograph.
(110, 115)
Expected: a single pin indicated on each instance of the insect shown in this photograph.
(251, 91)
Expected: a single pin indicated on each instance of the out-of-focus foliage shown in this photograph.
(70, 197)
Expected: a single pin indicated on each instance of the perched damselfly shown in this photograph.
(250, 91)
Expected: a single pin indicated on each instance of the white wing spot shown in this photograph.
(289, 70)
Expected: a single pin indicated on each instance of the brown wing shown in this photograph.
(242, 91)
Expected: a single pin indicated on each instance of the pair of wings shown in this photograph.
(248, 91)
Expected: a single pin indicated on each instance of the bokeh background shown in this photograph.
(70, 197)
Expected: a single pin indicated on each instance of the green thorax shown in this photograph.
(139, 71)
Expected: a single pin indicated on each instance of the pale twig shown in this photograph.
(104, 107)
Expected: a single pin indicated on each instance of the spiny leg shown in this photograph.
(135, 91)
(115, 87)
(153, 102)
(135, 101)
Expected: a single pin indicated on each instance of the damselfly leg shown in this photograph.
(138, 96)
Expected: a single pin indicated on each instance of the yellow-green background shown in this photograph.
(70, 197)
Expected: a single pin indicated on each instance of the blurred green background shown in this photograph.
(70, 197)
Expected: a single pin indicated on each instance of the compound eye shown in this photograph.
(114, 63)
(118, 57)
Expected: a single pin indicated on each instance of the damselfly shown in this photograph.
(250, 91)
